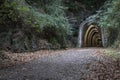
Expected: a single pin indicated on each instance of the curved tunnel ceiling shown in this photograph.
(92, 37)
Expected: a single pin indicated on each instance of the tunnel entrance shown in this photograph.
(92, 36)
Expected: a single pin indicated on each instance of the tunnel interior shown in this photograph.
(92, 36)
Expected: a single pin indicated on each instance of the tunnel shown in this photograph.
(91, 35)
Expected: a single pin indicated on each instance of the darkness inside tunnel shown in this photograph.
(92, 36)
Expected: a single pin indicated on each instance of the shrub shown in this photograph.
(110, 19)
(23, 23)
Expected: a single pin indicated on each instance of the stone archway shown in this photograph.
(91, 35)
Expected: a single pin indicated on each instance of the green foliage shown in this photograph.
(6, 11)
(55, 35)
(23, 22)
(51, 20)
(110, 19)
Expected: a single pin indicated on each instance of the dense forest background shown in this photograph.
(29, 25)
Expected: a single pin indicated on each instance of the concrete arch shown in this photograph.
(91, 35)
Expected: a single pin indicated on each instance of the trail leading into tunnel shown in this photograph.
(64, 65)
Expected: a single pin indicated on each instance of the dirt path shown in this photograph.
(64, 65)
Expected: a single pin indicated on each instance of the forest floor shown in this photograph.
(71, 64)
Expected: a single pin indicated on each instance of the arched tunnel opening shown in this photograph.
(92, 36)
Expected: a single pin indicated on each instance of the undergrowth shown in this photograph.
(23, 23)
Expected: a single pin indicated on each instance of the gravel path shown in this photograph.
(64, 65)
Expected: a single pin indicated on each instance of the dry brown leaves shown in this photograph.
(12, 59)
(102, 70)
